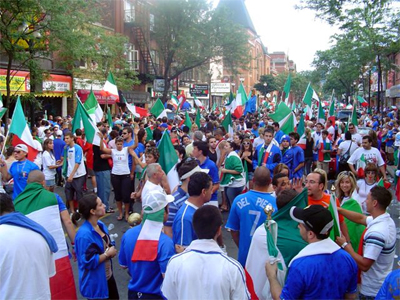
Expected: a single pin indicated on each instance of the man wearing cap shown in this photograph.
(221, 276)
(19, 169)
(199, 189)
(146, 250)
(379, 241)
(322, 270)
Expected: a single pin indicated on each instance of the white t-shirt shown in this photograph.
(361, 195)
(371, 156)
(379, 245)
(48, 160)
(120, 161)
(344, 146)
(26, 264)
(75, 155)
(331, 131)
(317, 137)
(356, 137)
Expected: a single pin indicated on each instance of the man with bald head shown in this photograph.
(247, 212)
(48, 209)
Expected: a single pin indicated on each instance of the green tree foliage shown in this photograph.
(271, 84)
(40, 35)
(299, 83)
(190, 34)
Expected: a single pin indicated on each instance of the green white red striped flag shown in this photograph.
(83, 121)
(93, 107)
(198, 117)
(2, 109)
(321, 113)
(158, 109)
(227, 124)
(168, 160)
(110, 88)
(188, 121)
(285, 117)
(335, 231)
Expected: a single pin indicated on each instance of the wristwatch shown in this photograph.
(344, 245)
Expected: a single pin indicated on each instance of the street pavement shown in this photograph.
(120, 227)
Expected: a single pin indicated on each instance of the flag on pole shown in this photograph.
(2, 109)
(310, 95)
(158, 109)
(214, 107)
(93, 107)
(335, 231)
(168, 160)
(362, 101)
(285, 117)
(286, 88)
(354, 118)
(321, 113)
(175, 102)
(361, 164)
(41, 206)
(198, 117)
(137, 111)
(82, 120)
(301, 130)
(236, 106)
(188, 121)
(181, 100)
(20, 129)
(197, 102)
(110, 88)
(332, 107)
(227, 124)
(149, 133)
(109, 117)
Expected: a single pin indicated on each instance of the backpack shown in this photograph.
(345, 156)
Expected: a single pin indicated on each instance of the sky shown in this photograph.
(296, 32)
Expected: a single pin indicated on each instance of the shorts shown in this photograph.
(73, 190)
(90, 172)
(389, 149)
(315, 156)
(50, 183)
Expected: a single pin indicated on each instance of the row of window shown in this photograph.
(130, 16)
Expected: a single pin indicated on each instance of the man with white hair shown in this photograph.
(155, 175)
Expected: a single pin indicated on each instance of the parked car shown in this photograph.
(345, 114)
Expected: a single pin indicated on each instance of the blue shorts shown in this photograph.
(315, 157)
(51, 182)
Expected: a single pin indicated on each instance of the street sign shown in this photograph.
(220, 88)
(159, 85)
(199, 90)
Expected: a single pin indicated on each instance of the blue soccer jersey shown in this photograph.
(182, 228)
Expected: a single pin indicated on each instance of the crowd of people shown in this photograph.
(176, 250)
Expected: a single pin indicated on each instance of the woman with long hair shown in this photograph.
(237, 139)
(364, 185)
(345, 186)
(246, 154)
(49, 164)
(232, 174)
(94, 252)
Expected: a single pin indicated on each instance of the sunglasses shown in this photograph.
(124, 133)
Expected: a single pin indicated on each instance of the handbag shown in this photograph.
(345, 157)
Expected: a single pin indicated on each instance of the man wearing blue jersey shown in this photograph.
(296, 165)
(247, 212)
(199, 189)
(267, 154)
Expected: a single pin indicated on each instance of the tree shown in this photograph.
(38, 32)
(191, 34)
(372, 26)
(271, 84)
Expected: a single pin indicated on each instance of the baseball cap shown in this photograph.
(155, 201)
(21, 147)
(285, 138)
(397, 140)
(390, 124)
(315, 217)
(164, 125)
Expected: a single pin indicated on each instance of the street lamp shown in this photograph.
(265, 89)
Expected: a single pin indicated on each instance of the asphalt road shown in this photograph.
(120, 227)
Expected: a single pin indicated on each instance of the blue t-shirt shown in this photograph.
(180, 197)
(278, 136)
(209, 164)
(146, 276)
(126, 144)
(297, 158)
(391, 287)
(19, 171)
(247, 213)
(139, 149)
(375, 125)
(61, 204)
(255, 132)
(59, 145)
(322, 276)
(182, 228)
(389, 135)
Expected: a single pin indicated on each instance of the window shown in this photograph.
(132, 56)
(151, 21)
(129, 12)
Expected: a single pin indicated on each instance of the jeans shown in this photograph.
(308, 165)
(231, 193)
(103, 179)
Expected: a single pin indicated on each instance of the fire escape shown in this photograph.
(143, 43)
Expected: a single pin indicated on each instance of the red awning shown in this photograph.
(84, 94)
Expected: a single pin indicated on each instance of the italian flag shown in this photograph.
(158, 109)
(309, 95)
(137, 111)
(188, 121)
(93, 108)
(321, 113)
(110, 88)
(335, 231)
(285, 117)
(354, 118)
(2, 109)
(20, 129)
(384, 184)
(198, 117)
(147, 242)
(236, 105)
(198, 102)
(301, 130)
(361, 164)
(168, 160)
(362, 101)
(82, 120)
(181, 100)
(109, 117)
(227, 124)
(286, 88)
(41, 206)
(175, 102)
(331, 113)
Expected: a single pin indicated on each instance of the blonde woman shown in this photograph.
(345, 185)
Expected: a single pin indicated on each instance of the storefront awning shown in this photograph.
(53, 86)
(394, 91)
(84, 94)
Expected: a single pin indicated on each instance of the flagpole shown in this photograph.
(5, 141)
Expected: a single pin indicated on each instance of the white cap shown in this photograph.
(191, 172)
(155, 201)
(21, 147)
